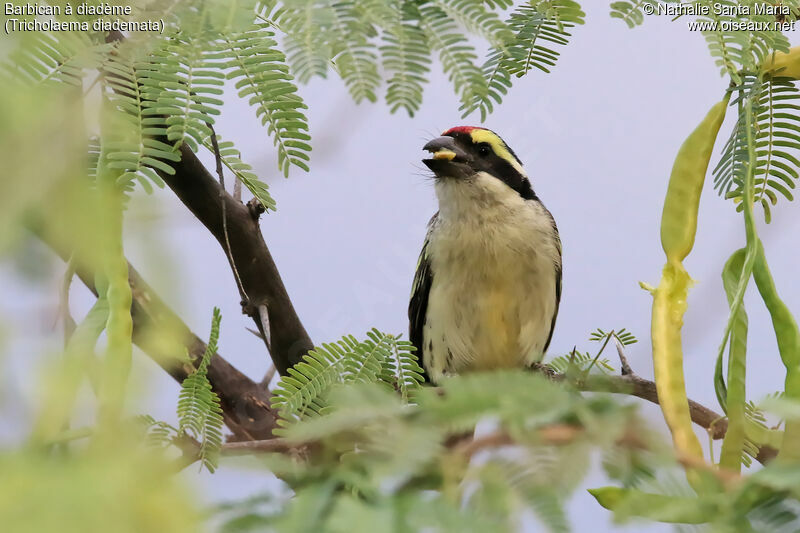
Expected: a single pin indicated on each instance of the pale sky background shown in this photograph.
(598, 136)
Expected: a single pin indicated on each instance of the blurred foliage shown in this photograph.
(381, 358)
(199, 412)
(119, 487)
(85, 121)
(393, 466)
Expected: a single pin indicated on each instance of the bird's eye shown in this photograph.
(484, 150)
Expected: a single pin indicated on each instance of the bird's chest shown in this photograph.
(492, 294)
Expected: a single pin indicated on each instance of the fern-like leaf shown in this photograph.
(776, 130)
(631, 13)
(575, 362)
(130, 124)
(53, 58)
(199, 411)
(190, 84)
(355, 61)
(735, 50)
(232, 158)
(409, 372)
(372, 354)
(262, 77)
(303, 392)
(475, 17)
(299, 392)
(407, 57)
(157, 434)
(307, 44)
(538, 28)
(625, 337)
(455, 53)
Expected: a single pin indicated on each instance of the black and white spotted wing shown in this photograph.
(418, 306)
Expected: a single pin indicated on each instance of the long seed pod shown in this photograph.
(678, 228)
(783, 64)
(119, 326)
(679, 217)
(788, 336)
(734, 397)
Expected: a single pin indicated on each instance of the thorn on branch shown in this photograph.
(268, 376)
(623, 361)
(263, 315)
(254, 332)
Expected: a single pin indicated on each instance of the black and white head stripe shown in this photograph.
(480, 135)
(492, 155)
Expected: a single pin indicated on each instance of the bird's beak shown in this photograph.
(447, 158)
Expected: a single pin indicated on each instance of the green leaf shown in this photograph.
(537, 29)
(232, 158)
(631, 13)
(380, 358)
(776, 130)
(199, 410)
(252, 58)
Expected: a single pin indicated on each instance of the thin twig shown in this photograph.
(596, 357)
(276, 445)
(221, 176)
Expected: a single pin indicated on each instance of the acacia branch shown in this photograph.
(251, 260)
(202, 194)
(246, 403)
(631, 384)
(162, 335)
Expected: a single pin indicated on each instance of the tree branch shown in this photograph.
(160, 333)
(202, 194)
(248, 253)
(246, 403)
(633, 385)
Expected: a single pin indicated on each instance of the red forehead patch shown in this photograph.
(461, 129)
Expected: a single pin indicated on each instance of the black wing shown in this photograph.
(418, 306)
(558, 282)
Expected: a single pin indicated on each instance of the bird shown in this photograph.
(487, 287)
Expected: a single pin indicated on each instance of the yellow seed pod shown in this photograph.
(784, 64)
(679, 218)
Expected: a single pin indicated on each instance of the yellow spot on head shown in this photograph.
(497, 145)
(444, 154)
